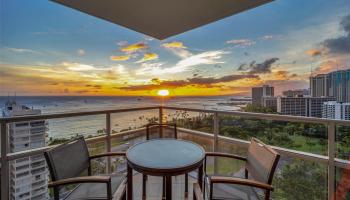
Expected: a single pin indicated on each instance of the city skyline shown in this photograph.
(83, 55)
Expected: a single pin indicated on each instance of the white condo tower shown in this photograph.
(28, 176)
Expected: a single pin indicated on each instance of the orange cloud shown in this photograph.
(196, 82)
(120, 58)
(314, 52)
(174, 45)
(195, 86)
(148, 57)
(283, 75)
(178, 48)
(134, 47)
(326, 67)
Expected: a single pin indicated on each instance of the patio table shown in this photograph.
(164, 157)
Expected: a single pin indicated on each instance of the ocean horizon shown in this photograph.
(94, 125)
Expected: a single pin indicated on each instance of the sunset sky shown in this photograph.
(49, 49)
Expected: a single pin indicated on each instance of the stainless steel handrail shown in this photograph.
(5, 156)
(329, 160)
(72, 114)
(265, 116)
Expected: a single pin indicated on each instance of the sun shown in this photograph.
(163, 93)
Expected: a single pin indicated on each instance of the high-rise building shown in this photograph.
(28, 176)
(270, 102)
(302, 106)
(334, 84)
(335, 110)
(319, 85)
(340, 85)
(315, 105)
(296, 93)
(292, 106)
(259, 92)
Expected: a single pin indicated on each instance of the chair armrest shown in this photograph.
(107, 154)
(197, 192)
(240, 181)
(82, 179)
(227, 155)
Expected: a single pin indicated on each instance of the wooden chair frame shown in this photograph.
(240, 181)
(56, 184)
(144, 179)
(149, 126)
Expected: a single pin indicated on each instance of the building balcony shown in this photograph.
(315, 152)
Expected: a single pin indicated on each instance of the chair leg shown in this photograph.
(129, 188)
(267, 195)
(204, 186)
(246, 173)
(144, 183)
(124, 196)
(56, 193)
(109, 191)
(194, 196)
(163, 195)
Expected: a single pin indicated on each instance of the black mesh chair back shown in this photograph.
(261, 161)
(68, 160)
(156, 130)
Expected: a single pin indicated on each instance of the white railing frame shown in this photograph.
(6, 156)
(329, 160)
(331, 131)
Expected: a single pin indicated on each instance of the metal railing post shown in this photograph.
(4, 163)
(108, 141)
(216, 131)
(331, 162)
(161, 121)
(216, 139)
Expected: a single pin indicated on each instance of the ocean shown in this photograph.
(94, 125)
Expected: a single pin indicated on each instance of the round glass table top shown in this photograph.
(165, 154)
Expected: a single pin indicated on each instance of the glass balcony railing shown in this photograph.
(315, 152)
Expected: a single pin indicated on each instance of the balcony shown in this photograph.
(314, 151)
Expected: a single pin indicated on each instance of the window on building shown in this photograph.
(22, 124)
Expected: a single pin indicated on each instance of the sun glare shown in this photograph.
(163, 92)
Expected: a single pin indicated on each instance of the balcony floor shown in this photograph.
(154, 187)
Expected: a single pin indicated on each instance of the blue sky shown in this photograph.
(68, 51)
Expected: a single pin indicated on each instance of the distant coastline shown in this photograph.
(91, 125)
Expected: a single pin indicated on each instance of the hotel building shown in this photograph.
(296, 93)
(28, 175)
(270, 102)
(302, 106)
(335, 110)
(334, 84)
(259, 92)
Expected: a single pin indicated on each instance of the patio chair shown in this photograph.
(173, 128)
(67, 163)
(260, 165)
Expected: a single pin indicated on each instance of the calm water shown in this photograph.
(92, 125)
